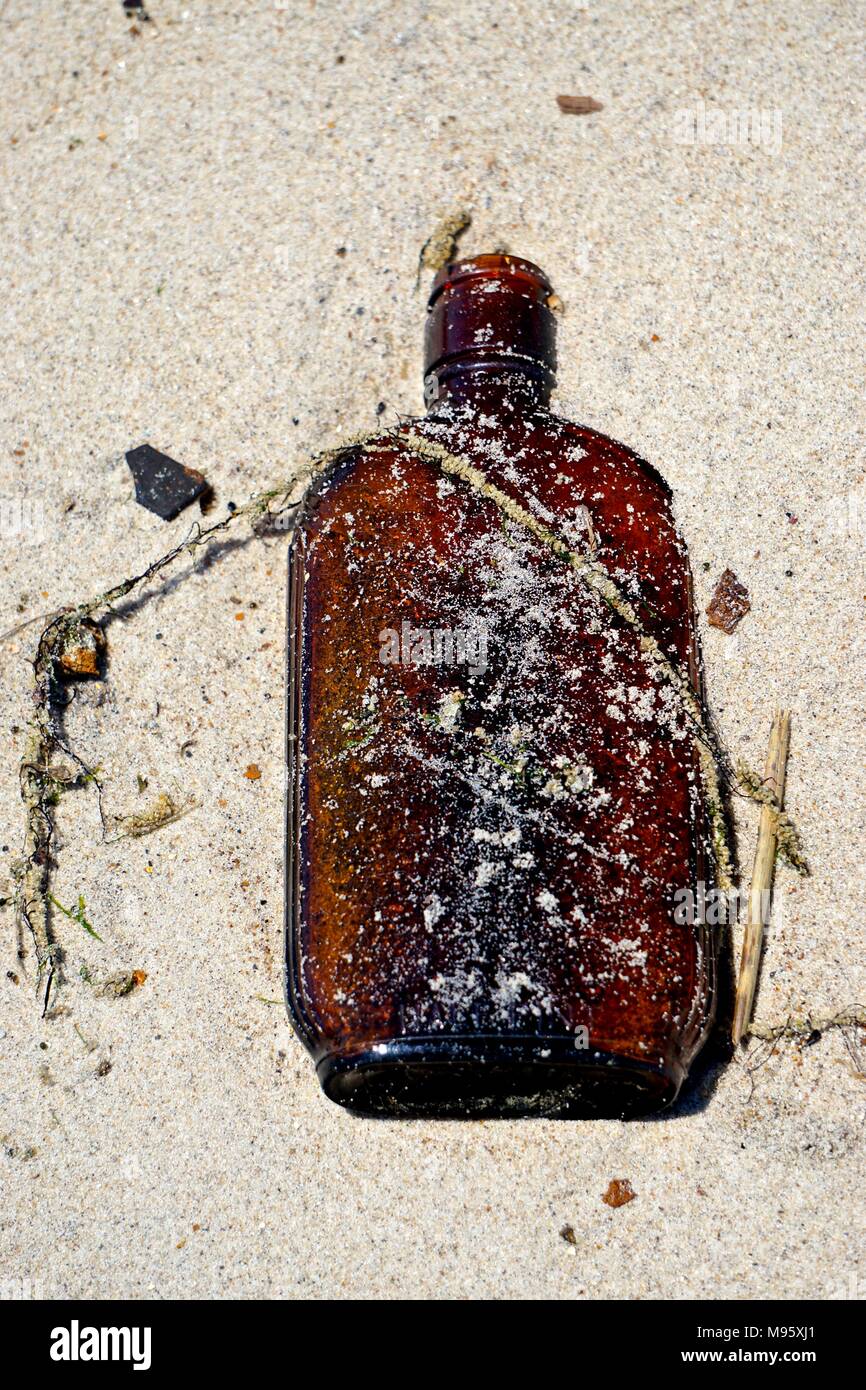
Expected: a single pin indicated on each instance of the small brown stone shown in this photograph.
(619, 1191)
(578, 106)
(729, 604)
(253, 772)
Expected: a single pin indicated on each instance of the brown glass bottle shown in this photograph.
(493, 799)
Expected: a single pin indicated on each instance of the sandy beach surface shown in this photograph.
(211, 223)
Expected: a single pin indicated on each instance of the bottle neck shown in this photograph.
(490, 333)
(488, 387)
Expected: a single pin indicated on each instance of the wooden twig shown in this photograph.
(762, 874)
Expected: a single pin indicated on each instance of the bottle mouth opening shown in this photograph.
(495, 266)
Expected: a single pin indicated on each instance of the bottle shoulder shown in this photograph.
(335, 468)
(612, 450)
(537, 439)
(539, 450)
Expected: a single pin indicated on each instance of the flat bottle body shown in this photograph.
(494, 801)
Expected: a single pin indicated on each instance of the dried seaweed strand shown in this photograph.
(854, 1017)
(40, 789)
(441, 246)
(787, 835)
(163, 811)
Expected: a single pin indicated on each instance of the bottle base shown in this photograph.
(483, 1077)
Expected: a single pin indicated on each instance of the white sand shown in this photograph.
(177, 282)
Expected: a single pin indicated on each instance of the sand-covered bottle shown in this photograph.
(495, 794)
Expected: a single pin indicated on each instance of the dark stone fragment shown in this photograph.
(162, 484)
